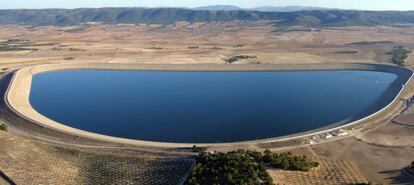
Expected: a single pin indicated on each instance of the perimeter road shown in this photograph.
(18, 92)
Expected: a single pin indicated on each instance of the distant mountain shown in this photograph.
(288, 8)
(261, 9)
(65, 17)
(218, 8)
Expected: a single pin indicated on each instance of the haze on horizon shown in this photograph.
(401, 5)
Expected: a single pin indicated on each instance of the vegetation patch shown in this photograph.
(367, 43)
(193, 47)
(347, 52)
(239, 57)
(399, 55)
(56, 49)
(16, 45)
(69, 58)
(3, 127)
(76, 49)
(244, 167)
(199, 149)
(287, 161)
(155, 47)
(12, 48)
(218, 48)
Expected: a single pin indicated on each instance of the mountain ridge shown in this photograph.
(262, 8)
(67, 17)
(218, 8)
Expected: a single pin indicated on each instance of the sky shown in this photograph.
(343, 4)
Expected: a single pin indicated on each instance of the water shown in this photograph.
(204, 107)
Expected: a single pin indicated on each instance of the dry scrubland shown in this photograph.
(377, 156)
(203, 43)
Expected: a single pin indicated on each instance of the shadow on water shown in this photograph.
(399, 176)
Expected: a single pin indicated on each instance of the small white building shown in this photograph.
(342, 132)
(328, 135)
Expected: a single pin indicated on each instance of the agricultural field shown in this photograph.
(212, 43)
(25, 160)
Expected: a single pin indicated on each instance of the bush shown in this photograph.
(3, 127)
(399, 55)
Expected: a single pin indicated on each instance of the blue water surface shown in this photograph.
(205, 107)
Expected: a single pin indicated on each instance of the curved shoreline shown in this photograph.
(18, 92)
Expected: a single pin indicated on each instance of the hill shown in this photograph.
(64, 17)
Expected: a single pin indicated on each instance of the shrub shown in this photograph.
(239, 57)
(193, 47)
(347, 52)
(3, 127)
(69, 58)
(399, 55)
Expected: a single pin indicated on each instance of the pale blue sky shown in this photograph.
(344, 4)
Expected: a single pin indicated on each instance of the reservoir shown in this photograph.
(209, 107)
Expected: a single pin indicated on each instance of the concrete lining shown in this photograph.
(18, 92)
